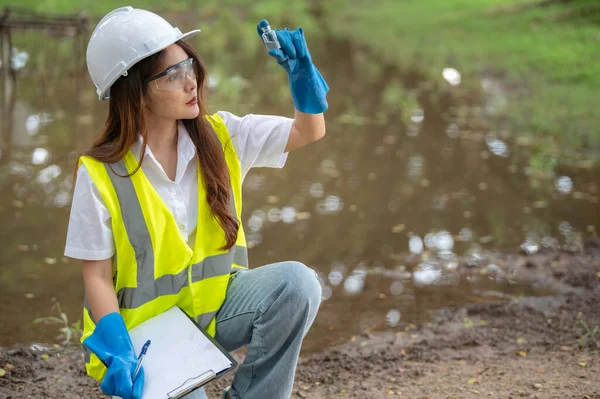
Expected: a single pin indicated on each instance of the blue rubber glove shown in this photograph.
(112, 344)
(308, 87)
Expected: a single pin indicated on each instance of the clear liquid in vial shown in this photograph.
(269, 37)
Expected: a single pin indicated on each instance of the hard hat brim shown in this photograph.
(105, 95)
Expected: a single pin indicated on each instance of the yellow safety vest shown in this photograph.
(154, 268)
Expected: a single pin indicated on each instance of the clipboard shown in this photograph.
(206, 377)
(178, 347)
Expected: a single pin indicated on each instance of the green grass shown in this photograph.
(476, 32)
(548, 55)
(95, 8)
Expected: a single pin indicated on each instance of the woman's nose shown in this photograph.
(190, 82)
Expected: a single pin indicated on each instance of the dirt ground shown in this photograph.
(502, 348)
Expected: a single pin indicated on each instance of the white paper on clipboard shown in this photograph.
(180, 357)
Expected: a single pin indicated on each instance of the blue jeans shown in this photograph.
(270, 309)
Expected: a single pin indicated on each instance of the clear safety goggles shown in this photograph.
(174, 77)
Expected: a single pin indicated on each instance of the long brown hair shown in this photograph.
(126, 118)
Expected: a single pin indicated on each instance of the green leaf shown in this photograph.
(46, 320)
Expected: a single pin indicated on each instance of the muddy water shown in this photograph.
(412, 175)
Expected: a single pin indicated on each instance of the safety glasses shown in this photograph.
(174, 77)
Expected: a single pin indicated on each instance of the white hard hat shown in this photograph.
(122, 38)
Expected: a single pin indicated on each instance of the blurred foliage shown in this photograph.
(544, 51)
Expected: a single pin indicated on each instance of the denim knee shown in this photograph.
(303, 284)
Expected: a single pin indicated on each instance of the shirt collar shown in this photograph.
(185, 146)
(186, 150)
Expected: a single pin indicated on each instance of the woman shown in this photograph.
(157, 207)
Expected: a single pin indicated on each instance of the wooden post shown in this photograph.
(5, 49)
(3, 111)
(7, 95)
(76, 54)
(83, 38)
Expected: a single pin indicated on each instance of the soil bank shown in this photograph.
(501, 348)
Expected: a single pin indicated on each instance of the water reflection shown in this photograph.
(465, 234)
(442, 241)
(564, 184)
(415, 245)
(453, 131)
(418, 116)
(355, 282)
(409, 178)
(40, 156)
(335, 276)
(428, 273)
(47, 175)
(415, 166)
(316, 190)
(19, 58)
(397, 288)
(497, 146)
(331, 205)
(35, 122)
(256, 221)
(393, 317)
(452, 76)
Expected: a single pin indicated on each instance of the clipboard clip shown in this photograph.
(190, 384)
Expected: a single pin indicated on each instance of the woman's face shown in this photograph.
(175, 94)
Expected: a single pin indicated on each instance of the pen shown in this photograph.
(141, 359)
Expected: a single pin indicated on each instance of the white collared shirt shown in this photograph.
(258, 140)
